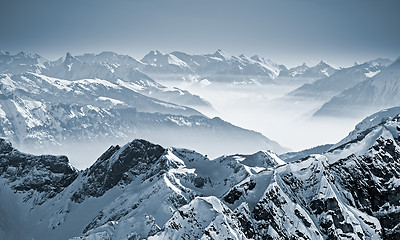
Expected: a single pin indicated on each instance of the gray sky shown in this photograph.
(286, 31)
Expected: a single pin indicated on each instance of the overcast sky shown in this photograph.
(286, 31)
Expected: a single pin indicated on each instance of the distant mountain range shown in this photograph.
(219, 66)
(351, 92)
(222, 67)
(144, 191)
(98, 98)
(33, 91)
(378, 92)
(320, 70)
(330, 85)
(116, 68)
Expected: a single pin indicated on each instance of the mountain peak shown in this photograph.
(120, 165)
(255, 58)
(221, 54)
(322, 63)
(263, 159)
(154, 53)
(108, 53)
(152, 56)
(69, 59)
(22, 54)
(68, 55)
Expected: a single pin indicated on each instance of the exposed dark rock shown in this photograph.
(46, 174)
(118, 166)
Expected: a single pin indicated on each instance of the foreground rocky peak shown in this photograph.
(118, 165)
(40, 177)
(142, 190)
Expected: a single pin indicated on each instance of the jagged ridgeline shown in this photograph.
(143, 190)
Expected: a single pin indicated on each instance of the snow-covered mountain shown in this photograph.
(122, 70)
(36, 125)
(294, 156)
(22, 62)
(143, 190)
(94, 91)
(218, 67)
(129, 192)
(318, 71)
(98, 98)
(332, 84)
(158, 62)
(108, 66)
(378, 92)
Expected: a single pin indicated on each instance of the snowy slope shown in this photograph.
(122, 70)
(142, 190)
(131, 191)
(97, 92)
(294, 156)
(380, 91)
(219, 66)
(332, 84)
(38, 125)
(159, 62)
(22, 62)
(318, 71)
(38, 111)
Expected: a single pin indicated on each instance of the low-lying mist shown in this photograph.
(211, 137)
(266, 108)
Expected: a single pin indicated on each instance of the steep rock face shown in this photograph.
(372, 186)
(177, 178)
(300, 202)
(41, 177)
(118, 166)
(139, 183)
(371, 179)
